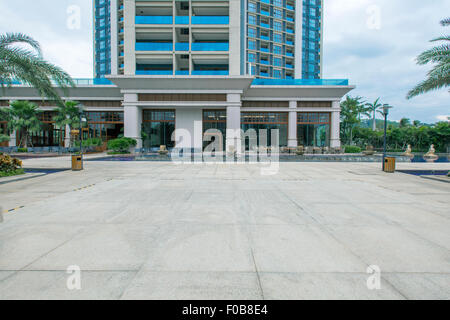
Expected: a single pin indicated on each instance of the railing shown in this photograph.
(154, 72)
(154, 46)
(154, 20)
(266, 1)
(289, 54)
(265, 49)
(264, 62)
(264, 12)
(210, 46)
(265, 25)
(182, 20)
(264, 74)
(300, 82)
(210, 72)
(210, 20)
(265, 37)
(182, 46)
(182, 72)
(289, 31)
(290, 7)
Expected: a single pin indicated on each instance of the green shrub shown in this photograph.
(352, 149)
(4, 138)
(91, 142)
(12, 173)
(122, 145)
(22, 150)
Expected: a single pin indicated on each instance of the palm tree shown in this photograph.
(439, 75)
(69, 115)
(351, 110)
(373, 108)
(24, 117)
(19, 63)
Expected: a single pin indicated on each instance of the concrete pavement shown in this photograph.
(153, 230)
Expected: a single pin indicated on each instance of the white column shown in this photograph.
(129, 36)
(132, 119)
(292, 130)
(67, 137)
(233, 122)
(12, 141)
(335, 134)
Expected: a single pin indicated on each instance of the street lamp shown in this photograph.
(82, 120)
(385, 113)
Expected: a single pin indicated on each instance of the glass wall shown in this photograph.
(313, 129)
(158, 126)
(268, 121)
(50, 134)
(214, 119)
(103, 125)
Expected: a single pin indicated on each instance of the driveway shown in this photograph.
(154, 230)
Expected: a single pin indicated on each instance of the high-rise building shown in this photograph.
(280, 39)
(102, 38)
(168, 72)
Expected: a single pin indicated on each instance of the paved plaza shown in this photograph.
(156, 230)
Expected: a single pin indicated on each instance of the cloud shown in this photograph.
(443, 118)
(380, 62)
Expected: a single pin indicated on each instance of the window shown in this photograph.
(252, 44)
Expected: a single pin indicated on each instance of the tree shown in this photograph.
(69, 115)
(373, 108)
(26, 64)
(24, 117)
(417, 123)
(439, 75)
(404, 122)
(351, 110)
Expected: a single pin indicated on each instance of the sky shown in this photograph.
(373, 43)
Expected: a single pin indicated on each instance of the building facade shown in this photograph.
(180, 68)
(269, 39)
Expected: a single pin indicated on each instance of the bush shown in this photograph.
(22, 150)
(4, 138)
(91, 142)
(352, 149)
(121, 145)
(9, 164)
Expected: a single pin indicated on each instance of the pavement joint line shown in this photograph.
(85, 187)
(14, 209)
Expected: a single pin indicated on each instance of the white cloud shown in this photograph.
(379, 62)
(443, 118)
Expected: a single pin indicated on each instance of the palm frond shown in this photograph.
(430, 84)
(12, 38)
(441, 38)
(435, 54)
(445, 22)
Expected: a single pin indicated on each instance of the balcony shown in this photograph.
(266, 1)
(210, 73)
(289, 31)
(289, 54)
(154, 72)
(266, 62)
(264, 37)
(210, 46)
(182, 72)
(289, 66)
(290, 19)
(264, 12)
(263, 74)
(300, 82)
(182, 46)
(154, 46)
(154, 20)
(210, 20)
(291, 43)
(289, 7)
(265, 25)
(182, 20)
(265, 49)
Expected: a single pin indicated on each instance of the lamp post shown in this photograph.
(82, 120)
(385, 114)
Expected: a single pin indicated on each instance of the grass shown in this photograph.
(11, 173)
